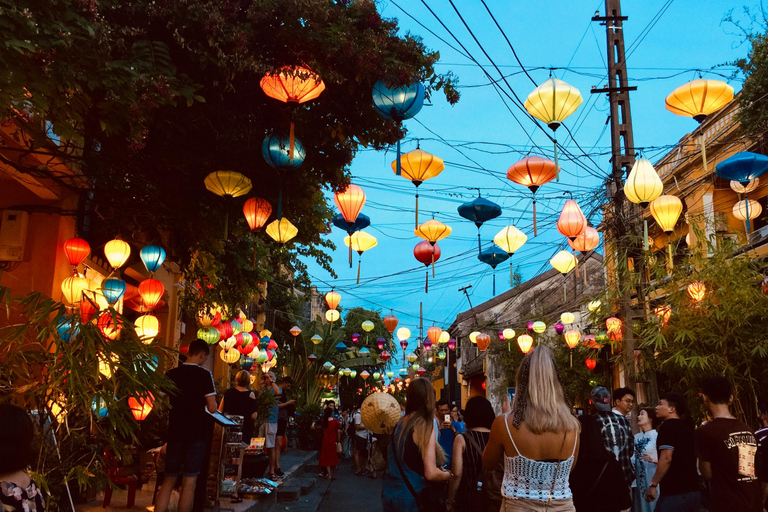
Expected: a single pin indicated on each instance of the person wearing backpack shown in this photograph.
(469, 490)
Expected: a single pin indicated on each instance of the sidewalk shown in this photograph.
(351, 492)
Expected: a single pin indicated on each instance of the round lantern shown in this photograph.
(539, 327)
(147, 327)
(747, 209)
(76, 250)
(572, 221)
(434, 334)
(427, 254)
(390, 322)
(509, 334)
(282, 230)
(451, 344)
(256, 212)
(432, 231)
(591, 363)
(390, 374)
(529, 326)
(643, 183)
(73, 287)
(380, 342)
(473, 337)
(332, 299)
(699, 98)
(696, 291)
(349, 202)
(117, 252)
(247, 326)
(427, 344)
(441, 355)
(141, 406)
(586, 241)
(751, 185)
(404, 344)
(367, 326)
(229, 356)
(109, 326)
(332, 315)
(559, 328)
(483, 342)
(228, 343)
(209, 334)
(666, 210)
(67, 328)
(225, 330)
(525, 343)
(316, 339)
(283, 152)
(151, 291)
(613, 324)
(663, 313)
(237, 327)
(403, 333)
(572, 338)
(444, 337)
(500, 334)
(152, 256)
(567, 318)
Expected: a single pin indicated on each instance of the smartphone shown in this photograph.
(447, 418)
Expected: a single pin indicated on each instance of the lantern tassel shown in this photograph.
(645, 235)
(571, 358)
(426, 281)
(669, 250)
(534, 217)
(280, 204)
(358, 270)
(511, 275)
(557, 168)
(565, 287)
(226, 224)
(433, 262)
(704, 151)
(746, 203)
(494, 284)
(350, 250)
(397, 171)
(479, 252)
(254, 256)
(417, 212)
(291, 143)
(584, 273)
(576, 260)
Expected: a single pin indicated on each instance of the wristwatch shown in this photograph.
(653, 485)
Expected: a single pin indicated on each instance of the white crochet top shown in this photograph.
(532, 479)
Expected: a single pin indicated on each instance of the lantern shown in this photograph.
(492, 256)
(404, 344)
(256, 212)
(510, 239)
(585, 242)
(411, 357)
(563, 262)
(227, 184)
(593, 306)
(380, 342)
(427, 254)
(427, 344)
(312, 358)
(390, 374)
(663, 313)
(332, 298)
(349, 202)
(539, 327)
(151, 291)
(473, 337)
(316, 339)
(572, 221)
(418, 166)
(67, 328)
(666, 210)
(105, 367)
(73, 287)
(147, 327)
(747, 209)
(229, 356)
(247, 326)
(441, 355)
(364, 374)
(109, 325)
(696, 291)
(295, 331)
(643, 183)
(572, 338)
(451, 344)
(483, 342)
(591, 363)
(384, 355)
(141, 406)
(398, 104)
(360, 241)
(434, 334)
(113, 289)
(479, 211)
(117, 252)
(444, 337)
(355, 337)
(390, 322)
(225, 330)
(533, 172)
(568, 318)
(332, 315)
(76, 250)
(525, 343)
(613, 324)
(509, 334)
(432, 231)
(279, 154)
(152, 256)
(559, 328)
(228, 343)
(209, 334)
(403, 333)
(281, 230)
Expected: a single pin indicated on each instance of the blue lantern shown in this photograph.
(276, 151)
(153, 256)
(114, 288)
(246, 363)
(399, 104)
(479, 210)
(364, 352)
(493, 256)
(264, 342)
(742, 167)
(403, 372)
(99, 406)
(362, 222)
(67, 328)
(341, 347)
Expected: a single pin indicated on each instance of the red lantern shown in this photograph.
(590, 342)
(572, 221)
(76, 250)
(421, 371)
(427, 254)
(256, 211)
(591, 363)
(247, 349)
(151, 291)
(108, 326)
(390, 322)
(88, 308)
(225, 330)
(586, 241)
(483, 341)
(533, 172)
(272, 345)
(184, 349)
(141, 407)
(385, 356)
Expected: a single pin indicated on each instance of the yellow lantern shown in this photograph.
(368, 326)
(117, 252)
(745, 189)
(147, 327)
(360, 241)
(418, 166)
(411, 357)
(473, 337)
(594, 306)
(229, 356)
(613, 324)
(748, 208)
(445, 337)
(663, 313)
(696, 291)
(572, 338)
(403, 333)
(247, 325)
(643, 183)
(508, 333)
(525, 342)
(539, 327)
(432, 231)
(332, 315)
(228, 343)
(332, 298)
(510, 239)
(567, 318)
(105, 365)
(73, 287)
(666, 210)
(228, 183)
(266, 333)
(281, 230)
(563, 262)
(699, 98)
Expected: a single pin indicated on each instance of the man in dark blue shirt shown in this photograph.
(448, 429)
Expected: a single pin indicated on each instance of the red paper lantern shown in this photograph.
(591, 363)
(76, 250)
(427, 254)
(141, 407)
(256, 211)
(483, 341)
(88, 308)
(421, 371)
(385, 356)
(225, 330)
(272, 345)
(572, 221)
(151, 291)
(390, 322)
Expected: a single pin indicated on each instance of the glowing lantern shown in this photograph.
(427, 344)
(355, 337)
(141, 407)
(281, 230)
(209, 334)
(109, 326)
(247, 326)
(380, 342)
(279, 154)
(229, 356)
(88, 307)
(451, 344)
(332, 298)
(76, 250)
(385, 355)
(586, 241)
(479, 211)
(572, 338)
(390, 322)
(376, 375)
(151, 291)
(483, 342)
(147, 327)
(696, 291)
(105, 367)
(360, 241)
(225, 330)
(750, 186)
(493, 256)
(525, 342)
(509, 334)
(666, 210)
(434, 334)
(67, 328)
(73, 287)
(593, 306)
(553, 101)
(364, 374)
(563, 262)
(295, 331)
(699, 98)
(473, 337)
(568, 318)
(539, 327)
(643, 183)
(316, 339)
(572, 221)
(663, 313)
(256, 212)
(444, 337)
(613, 324)
(332, 315)
(559, 328)
(117, 252)
(510, 239)
(591, 363)
(427, 254)
(418, 166)
(398, 104)
(390, 373)
(747, 209)
(228, 343)
(432, 231)
(113, 289)
(227, 184)
(441, 355)
(349, 202)
(533, 172)
(152, 256)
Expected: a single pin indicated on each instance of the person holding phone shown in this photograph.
(447, 428)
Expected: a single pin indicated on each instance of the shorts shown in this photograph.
(184, 457)
(271, 433)
(361, 443)
(282, 426)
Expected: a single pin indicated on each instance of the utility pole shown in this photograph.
(624, 215)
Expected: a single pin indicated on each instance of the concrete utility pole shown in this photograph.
(624, 215)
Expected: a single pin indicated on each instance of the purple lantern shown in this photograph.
(355, 338)
(559, 328)
(427, 344)
(451, 344)
(404, 344)
(380, 343)
(312, 358)
(529, 326)
(501, 335)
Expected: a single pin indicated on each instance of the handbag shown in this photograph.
(432, 498)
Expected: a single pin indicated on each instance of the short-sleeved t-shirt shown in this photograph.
(682, 476)
(762, 454)
(446, 437)
(730, 448)
(274, 410)
(240, 403)
(188, 419)
(359, 421)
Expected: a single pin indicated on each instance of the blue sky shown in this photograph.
(480, 137)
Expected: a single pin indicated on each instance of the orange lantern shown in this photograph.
(76, 250)
(585, 242)
(696, 291)
(418, 166)
(533, 172)
(332, 298)
(613, 324)
(572, 338)
(256, 211)
(390, 322)
(151, 291)
(591, 363)
(572, 221)
(483, 341)
(109, 326)
(525, 342)
(433, 333)
(349, 202)
(142, 406)
(663, 312)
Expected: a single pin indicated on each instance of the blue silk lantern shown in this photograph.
(743, 167)
(403, 372)
(399, 104)
(276, 151)
(493, 256)
(362, 222)
(246, 363)
(67, 328)
(152, 256)
(264, 342)
(114, 288)
(364, 352)
(341, 347)
(99, 406)
(479, 210)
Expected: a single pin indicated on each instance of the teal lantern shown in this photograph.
(479, 211)
(403, 372)
(67, 328)
(246, 363)
(237, 327)
(341, 347)
(276, 151)
(114, 289)
(327, 365)
(493, 256)
(398, 104)
(99, 406)
(263, 357)
(152, 256)
(364, 352)
(441, 355)
(209, 334)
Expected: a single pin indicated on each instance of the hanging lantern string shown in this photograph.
(534, 216)
(359, 262)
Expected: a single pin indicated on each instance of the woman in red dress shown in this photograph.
(329, 458)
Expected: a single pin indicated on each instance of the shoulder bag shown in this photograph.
(432, 498)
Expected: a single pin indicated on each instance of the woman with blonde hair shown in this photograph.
(241, 401)
(539, 442)
(415, 457)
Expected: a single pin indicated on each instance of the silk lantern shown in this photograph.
(141, 406)
(72, 289)
(276, 150)
(483, 342)
(585, 242)
(451, 344)
(380, 342)
(613, 324)
(572, 338)
(152, 256)
(539, 327)
(229, 356)
(432, 231)
(744, 168)
(572, 221)
(390, 322)
(533, 172)
(427, 254)
(559, 328)
(493, 256)
(473, 337)
(663, 313)
(367, 326)
(151, 291)
(747, 210)
(643, 186)
(417, 166)
(666, 210)
(209, 334)
(147, 328)
(479, 211)
(355, 337)
(282, 230)
(568, 318)
(332, 315)
(295, 331)
(227, 184)
(434, 333)
(109, 325)
(750, 186)
(594, 305)
(398, 104)
(360, 241)
(563, 262)
(76, 250)
(525, 342)
(510, 239)
(696, 291)
(256, 212)
(113, 289)
(332, 299)
(117, 252)
(591, 363)
(349, 202)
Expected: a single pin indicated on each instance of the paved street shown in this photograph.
(350, 492)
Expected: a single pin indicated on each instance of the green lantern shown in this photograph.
(209, 334)
(539, 327)
(415, 366)
(441, 355)
(376, 375)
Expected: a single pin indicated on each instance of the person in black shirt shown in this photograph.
(241, 401)
(676, 475)
(188, 424)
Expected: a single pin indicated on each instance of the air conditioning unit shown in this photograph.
(13, 235)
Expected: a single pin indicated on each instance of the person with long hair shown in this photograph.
(645, 459)
(415, 457)
(18, 492)
(329, 457)
(541, 423)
